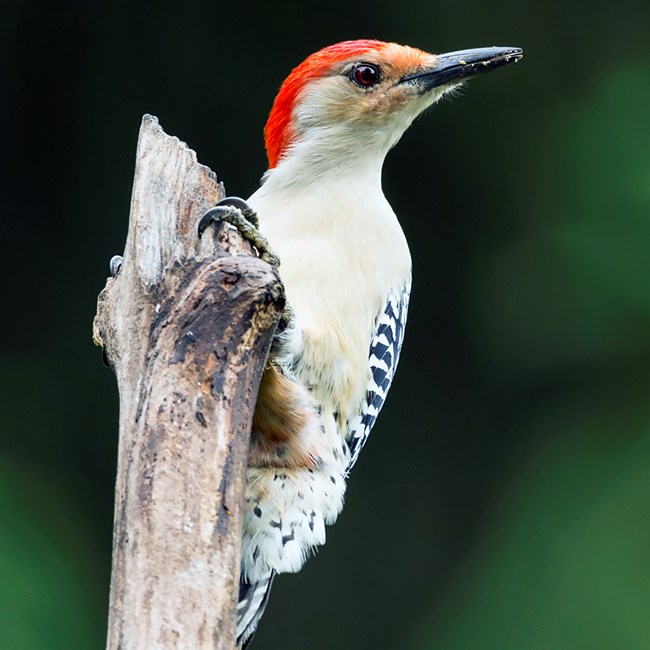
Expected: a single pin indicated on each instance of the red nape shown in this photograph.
(277, 133)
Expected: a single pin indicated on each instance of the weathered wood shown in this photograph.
(186, 325)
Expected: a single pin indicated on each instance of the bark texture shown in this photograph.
(187, 326)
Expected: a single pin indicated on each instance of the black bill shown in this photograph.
(464, 63)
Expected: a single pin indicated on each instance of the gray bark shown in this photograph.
(187, 326)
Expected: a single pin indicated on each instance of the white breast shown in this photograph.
(342, 251)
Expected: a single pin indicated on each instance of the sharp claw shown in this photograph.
(212, 215)
(235, 202)
(221, 209)
(115, 265)
(238, 213)
(242, 206)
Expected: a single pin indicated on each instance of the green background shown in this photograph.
(503, 501)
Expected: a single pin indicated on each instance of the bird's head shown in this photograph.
(363, 95)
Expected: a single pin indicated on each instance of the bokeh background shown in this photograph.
(503, 501)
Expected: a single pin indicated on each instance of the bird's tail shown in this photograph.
(252, 602)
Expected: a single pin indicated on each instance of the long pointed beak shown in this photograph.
(464, 63)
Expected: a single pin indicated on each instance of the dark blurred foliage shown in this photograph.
(503, 501)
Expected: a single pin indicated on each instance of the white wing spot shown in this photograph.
(383, 356)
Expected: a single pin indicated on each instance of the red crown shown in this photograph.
(277, 132)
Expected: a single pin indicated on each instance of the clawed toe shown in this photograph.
(211, 216)
(115, 265)
(239, 214)
(223, 210)
(242, 206)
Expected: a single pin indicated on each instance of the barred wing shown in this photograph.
(384, 354)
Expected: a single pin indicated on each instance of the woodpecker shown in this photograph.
(346, 268)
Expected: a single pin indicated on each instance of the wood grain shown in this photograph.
(186, 326)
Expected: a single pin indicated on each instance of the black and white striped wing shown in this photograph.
(383, 357)
(253, 598)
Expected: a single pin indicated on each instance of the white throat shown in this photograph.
(341, 248)
(333, 156)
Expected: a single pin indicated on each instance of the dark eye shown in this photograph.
(365, 74)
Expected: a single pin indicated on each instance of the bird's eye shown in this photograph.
(365, 74)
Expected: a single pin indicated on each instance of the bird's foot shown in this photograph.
(287, 320)
(115, 265)
(239, 214)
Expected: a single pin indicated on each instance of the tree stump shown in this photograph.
(186, 325)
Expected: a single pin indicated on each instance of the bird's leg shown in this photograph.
(239, 214)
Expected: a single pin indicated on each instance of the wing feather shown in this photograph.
(383, 357)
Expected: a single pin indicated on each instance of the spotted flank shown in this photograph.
(384, 354)
(289, 507)
(252, 602)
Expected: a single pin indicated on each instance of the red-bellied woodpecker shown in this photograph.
(346, 269)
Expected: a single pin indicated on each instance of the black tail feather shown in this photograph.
(253, 598)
